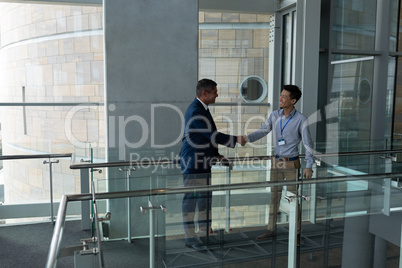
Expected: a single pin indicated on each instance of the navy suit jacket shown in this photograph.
(200, 140)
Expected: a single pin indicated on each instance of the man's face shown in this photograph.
(210, 95)
(285, 101)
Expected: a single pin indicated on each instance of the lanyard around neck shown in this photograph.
(286, 123)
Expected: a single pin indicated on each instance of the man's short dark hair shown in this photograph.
(205, 84)
(295, 92)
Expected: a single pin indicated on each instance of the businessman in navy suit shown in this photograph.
(198, 153)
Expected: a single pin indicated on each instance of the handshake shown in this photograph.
(242, 140)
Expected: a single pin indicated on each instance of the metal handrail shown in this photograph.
(57, 233)
(357, 153)
(22, 156)
(224, 187)
(97, 226)
(59, 227)
(51, 103)
(123, 164)
(37, 156)
(231, 159)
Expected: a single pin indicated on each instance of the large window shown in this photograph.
(234, 48)
(51, 90)
(356, 50)
(351, 91)
(354, 24)
(288, 47)
(397, 36)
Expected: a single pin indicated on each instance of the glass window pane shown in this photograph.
(398, 104)
(48, 130)
(51, 57)
(232, 48)
(399, 22)
(351, 94)
(293, 47)
(287, 38)
(389, 106)
(354, 24)
(394, 25)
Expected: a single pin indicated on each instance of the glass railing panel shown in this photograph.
(152, 155)
(125, 222)
(351, 164)
(46, 126)
(86, 251)
(187, 227)
(242, 172)
(244, 207)
(349, 221)
(126, 178)
(339, 183)
(237, 222)
(131, 247)
(94, 255)
(145, 165)
(32, 184)
(237, 218)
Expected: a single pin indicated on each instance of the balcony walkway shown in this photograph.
(28, 245)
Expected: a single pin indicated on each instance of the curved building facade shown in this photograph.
(50, 58)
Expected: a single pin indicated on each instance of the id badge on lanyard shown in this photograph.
(281, 141)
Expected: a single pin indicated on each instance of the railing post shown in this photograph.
(293, 222)
(128, 173)
(227, 197)
(151, 209)
(102, 265)
(387, 187)
(128, 210)
(51, 186)
(313, 203)
(85, 208)
(293, 207)
(151, 237)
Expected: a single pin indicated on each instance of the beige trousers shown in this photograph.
(283, 170)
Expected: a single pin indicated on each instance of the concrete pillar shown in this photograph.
(380, 252)
(151, 69)
(357, 250)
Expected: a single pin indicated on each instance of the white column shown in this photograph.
(292, 246)
(307, 55)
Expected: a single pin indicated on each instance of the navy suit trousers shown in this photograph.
(197, 201)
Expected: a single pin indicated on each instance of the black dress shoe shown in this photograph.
(197, 246)
(208, 240)
(268, 234)
(192, 243)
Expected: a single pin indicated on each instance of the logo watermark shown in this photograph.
(197, 131)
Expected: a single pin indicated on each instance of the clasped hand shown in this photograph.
(242, 140)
